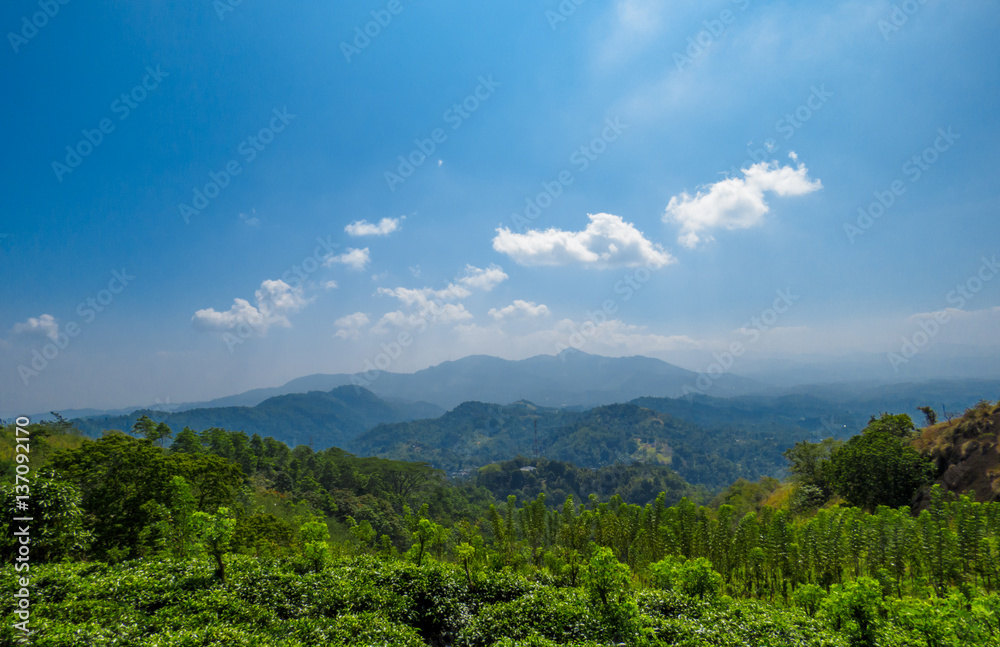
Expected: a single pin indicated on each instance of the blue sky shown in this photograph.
(697, 167)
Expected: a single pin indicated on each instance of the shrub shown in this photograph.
(691, 577)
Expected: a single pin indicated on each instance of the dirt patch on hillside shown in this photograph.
(966, 452)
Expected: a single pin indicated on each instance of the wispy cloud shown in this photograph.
(349, 326)
(251, 220)
(634, 25)
(607, 241)
(443, 313)
(426, 305)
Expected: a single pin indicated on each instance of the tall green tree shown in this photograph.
(144, 427)
(878, 467)
(116, 475)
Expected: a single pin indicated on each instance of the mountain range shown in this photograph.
(583, 409)
(319, 419)
(570, 379)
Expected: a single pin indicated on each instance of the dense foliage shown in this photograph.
(633, 482)
(227, 539)
(362, 601)
(476, 434)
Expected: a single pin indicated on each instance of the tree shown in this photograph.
(878, 467)
(215, 533)
(144, 427)
(424, 532)
(929, 414)
(609, 586)
(214, 480)
(116, 476)
(187, 442)
(57, 529)
(806, 461)
(160, 434)
(532, 517)
(315, 543)
(694, 578)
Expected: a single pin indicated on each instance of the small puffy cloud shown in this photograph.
(355, 259)
(42, 326)
(274, 300)
(736, 203)
(519, 309)
(483, 279)
(607, 241)
(349, 326)
(330, 285)
(364, 228)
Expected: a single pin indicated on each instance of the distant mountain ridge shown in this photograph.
(570, 379)
(323, 419)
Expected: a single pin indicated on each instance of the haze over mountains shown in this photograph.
(317, 418)
(575, 407)
(572, 379)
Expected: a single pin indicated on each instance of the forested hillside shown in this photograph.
(475, 434)
(223, 538)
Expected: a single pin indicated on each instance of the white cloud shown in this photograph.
(475, 279)
(349, 326)
(43, 325)
(252, 220)
(445, 313)
(607, 241)
(519, 309)
(736, 203)
(330, 285)
(424, 306)
(364, 228)
(483, 279)
(356, 259)
(274, 300)
(421, 297)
